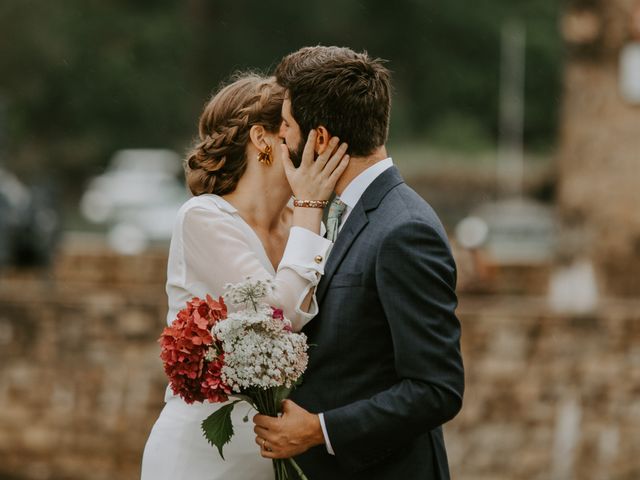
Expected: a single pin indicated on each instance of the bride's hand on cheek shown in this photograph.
(316, 179)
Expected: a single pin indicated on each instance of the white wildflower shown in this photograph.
(260, 351)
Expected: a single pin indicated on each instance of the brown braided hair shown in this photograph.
(218, 158)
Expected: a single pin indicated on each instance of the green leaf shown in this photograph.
(218, 428)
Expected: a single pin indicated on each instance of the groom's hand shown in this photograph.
(291, 434)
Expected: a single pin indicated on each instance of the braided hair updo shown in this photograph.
(217, 160)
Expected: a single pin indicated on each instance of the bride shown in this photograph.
(241, 223)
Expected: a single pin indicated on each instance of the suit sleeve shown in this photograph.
(415, 280)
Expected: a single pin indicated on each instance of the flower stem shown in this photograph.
(297, 468)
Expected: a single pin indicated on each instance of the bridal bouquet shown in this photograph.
(251, 354)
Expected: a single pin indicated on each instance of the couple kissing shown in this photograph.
(292, 183)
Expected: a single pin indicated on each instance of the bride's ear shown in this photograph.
(257, 135)
(322, 139)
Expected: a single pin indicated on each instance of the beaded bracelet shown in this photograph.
(310, 203)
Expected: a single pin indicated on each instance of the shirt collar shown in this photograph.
(358, 185)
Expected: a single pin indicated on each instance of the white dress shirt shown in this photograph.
(350, 197)
(358, 185)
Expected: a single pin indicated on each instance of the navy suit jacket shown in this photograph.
(385, 365)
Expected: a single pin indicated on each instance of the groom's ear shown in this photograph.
(322, 139)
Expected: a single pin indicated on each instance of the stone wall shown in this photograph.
(80, 377)
(548, 396)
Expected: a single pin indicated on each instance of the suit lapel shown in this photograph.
(356, 222)
(354, 225)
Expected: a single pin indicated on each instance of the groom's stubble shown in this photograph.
(295, 154)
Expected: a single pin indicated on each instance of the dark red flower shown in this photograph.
(184, 345)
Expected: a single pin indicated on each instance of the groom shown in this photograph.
(385, 372)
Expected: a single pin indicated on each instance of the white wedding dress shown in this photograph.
(210, 247)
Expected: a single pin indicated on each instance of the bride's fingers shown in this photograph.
(339, 170)
(286, 160)
(334, 161)
(309, 149)
(324, 157)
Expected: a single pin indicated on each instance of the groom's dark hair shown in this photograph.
(347, 92)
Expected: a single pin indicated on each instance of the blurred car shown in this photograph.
(136, 198)
(513, 231)
(29, 223)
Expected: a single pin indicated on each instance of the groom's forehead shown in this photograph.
(286, 108)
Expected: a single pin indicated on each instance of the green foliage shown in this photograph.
(459, 132)
(82, 78)
(218, 428)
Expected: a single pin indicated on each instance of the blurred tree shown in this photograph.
(82, 78)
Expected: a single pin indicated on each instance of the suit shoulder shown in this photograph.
(404, 206)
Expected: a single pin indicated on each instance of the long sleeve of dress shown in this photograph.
(217, 250)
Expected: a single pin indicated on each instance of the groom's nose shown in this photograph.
(282, 131)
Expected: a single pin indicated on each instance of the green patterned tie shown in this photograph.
(336, 210)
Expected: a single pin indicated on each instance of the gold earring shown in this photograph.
(266, 157)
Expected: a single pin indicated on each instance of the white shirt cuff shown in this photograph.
(327, 443)
(305, 251)
(306, 254)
